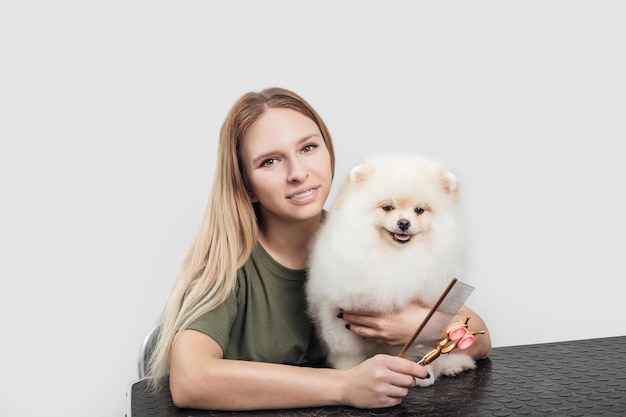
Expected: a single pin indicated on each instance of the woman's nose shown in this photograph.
(298, 171)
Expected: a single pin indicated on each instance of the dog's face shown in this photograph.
(398, 220)
(405, 196)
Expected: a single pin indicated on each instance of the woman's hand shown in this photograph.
(397, 327)
(393, 328)
(381, 381)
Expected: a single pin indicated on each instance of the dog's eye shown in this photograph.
(419, 210)
(387, 207)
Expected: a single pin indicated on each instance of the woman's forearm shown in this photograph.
(219, 384)
(200, 378)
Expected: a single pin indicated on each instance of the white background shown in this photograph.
(109, 117)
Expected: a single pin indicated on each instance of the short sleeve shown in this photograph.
(217, 323)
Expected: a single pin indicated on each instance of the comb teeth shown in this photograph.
(455, 299)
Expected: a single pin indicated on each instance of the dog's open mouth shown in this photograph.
(401, 238)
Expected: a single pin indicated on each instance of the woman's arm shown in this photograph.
(200, 378)
(397, 327)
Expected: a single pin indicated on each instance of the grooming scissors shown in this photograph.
(457, 337)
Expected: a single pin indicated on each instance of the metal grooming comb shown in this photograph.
(439, 317)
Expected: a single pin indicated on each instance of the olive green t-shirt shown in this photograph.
(265, 320)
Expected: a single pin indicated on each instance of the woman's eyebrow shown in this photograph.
(308, 138)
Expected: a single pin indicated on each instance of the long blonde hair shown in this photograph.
(229, 230)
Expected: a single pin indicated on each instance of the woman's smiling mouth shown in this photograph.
(302, 194)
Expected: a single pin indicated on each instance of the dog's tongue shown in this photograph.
(401, 237)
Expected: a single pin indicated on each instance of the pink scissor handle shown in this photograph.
(457, 337)
(456, 331)
(466, 341)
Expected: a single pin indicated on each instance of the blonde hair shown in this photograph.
(229, 229)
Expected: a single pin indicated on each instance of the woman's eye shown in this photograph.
(268, 162)
(387, 207)
(419, 210)
(309, 147)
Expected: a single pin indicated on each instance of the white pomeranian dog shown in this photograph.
(391, 237)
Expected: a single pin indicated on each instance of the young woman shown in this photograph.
(235, 334)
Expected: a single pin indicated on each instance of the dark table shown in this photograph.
(576, 378)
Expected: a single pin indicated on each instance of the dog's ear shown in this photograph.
(360, 173)
(450, 182)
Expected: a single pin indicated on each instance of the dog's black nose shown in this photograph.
(404, 224)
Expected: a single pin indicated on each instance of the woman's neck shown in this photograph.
(289, 243)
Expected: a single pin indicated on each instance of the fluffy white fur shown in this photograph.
(391, 237)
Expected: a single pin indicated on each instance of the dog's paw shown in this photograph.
(451, 365)
(426, 382)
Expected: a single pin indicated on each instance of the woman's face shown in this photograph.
(287, 165)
